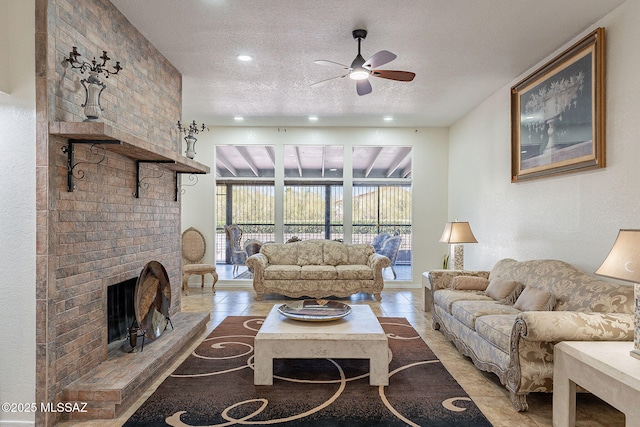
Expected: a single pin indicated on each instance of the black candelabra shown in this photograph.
(92, 84)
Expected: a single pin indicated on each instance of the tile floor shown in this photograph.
(484, 388)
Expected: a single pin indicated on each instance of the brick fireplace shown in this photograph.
(99, 234)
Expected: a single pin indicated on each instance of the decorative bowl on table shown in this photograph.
(314, 310)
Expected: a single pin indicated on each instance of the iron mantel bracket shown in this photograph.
(96, 149)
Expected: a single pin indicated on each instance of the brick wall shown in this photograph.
(100, 234)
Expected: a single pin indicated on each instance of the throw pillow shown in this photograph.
(534, 299)
(469, 283)
(504, 291)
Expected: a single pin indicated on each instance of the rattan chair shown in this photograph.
(193, 250)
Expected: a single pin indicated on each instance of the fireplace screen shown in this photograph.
(153, 299)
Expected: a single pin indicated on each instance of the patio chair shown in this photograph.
(238, 254)
(390, 249)
(378, 241)
(193, 249)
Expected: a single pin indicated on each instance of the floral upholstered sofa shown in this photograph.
(540, 303)
(317, 269)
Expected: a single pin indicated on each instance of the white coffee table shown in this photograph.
(356, 336)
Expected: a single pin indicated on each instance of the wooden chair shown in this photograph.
(193, 250)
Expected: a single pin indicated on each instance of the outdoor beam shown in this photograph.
(297, 151)
(397, 162)
(247, 158)
(272, 154)
(373, 162)
(224, 162)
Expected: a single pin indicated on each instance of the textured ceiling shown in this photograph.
(461, 50)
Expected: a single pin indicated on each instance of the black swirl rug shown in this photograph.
(214, 387)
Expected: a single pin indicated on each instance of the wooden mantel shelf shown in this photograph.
(129, 145)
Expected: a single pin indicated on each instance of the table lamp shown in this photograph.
(623, 262)
(456, 233)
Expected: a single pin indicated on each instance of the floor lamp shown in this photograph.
(455, 234)
(623, 262)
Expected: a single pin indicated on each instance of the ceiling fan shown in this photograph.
(360, 70)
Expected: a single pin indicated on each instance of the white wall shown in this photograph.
(429, 177)
(573, 217)
(17, 209)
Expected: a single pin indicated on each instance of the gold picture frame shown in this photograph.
(558, 113)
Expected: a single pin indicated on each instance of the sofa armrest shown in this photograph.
(440, 279)
(534, 335)
(377, 262)
(258, 261)
(555, 326)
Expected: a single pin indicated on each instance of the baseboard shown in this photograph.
(247, 284)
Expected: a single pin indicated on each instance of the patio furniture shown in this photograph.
(193, 249)
(378, 241)
(238, 254)
(390, 249)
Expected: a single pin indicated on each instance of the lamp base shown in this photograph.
(636, 335)
(457, 257)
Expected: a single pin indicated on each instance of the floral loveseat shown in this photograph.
(518, 345)
(317, 269)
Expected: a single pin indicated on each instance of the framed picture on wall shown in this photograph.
(557, 113)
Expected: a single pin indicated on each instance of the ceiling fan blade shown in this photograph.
(378, 59)
(363, 87)
(401, 76)
(330, 63)
(326, 80)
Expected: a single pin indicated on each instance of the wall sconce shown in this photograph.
(456, 233)
(190, 139)
(623, 263)
(93, 86)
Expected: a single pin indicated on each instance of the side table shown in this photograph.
(605, 369)
(426, 292)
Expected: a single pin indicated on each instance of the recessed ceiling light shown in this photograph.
(388, 119)
(313, 118)
(244, 58)
(238, 118)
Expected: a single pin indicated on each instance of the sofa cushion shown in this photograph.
(534, 299)
(496, 328)
(468, 311)
(444, 298)
(360, 253)
(504, 291)
(336, 253)
(309, 253)
(281, 253)
(470, 283)
(354, 272)
(318, 272)
(282, 272)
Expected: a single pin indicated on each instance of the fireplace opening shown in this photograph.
(121, 311)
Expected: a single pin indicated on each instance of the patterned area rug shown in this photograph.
(214, 387)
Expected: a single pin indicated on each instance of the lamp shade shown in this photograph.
(457, 232)
(623, 261)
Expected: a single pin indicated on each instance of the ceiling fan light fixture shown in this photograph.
(359, 74)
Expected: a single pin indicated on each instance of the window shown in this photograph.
(311, 211)
(313, 203)
(380, 208)
(251, 207)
